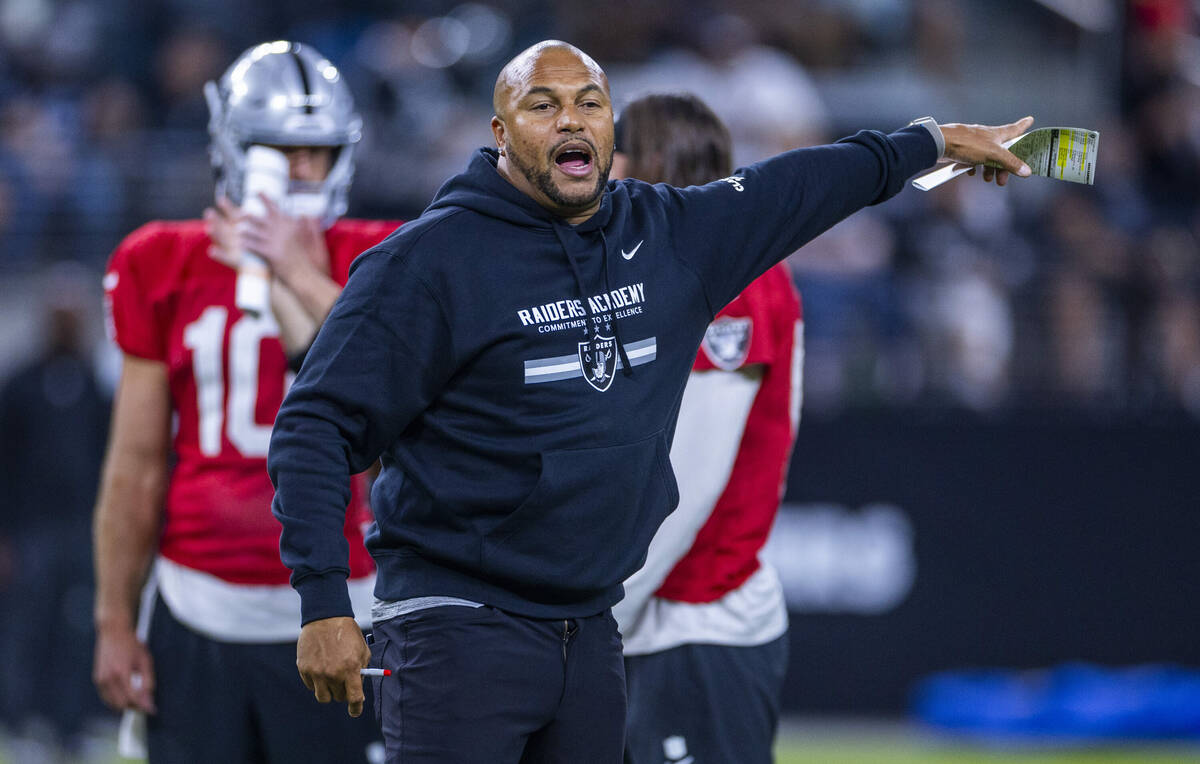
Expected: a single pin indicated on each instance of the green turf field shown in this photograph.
(850, 752)
(847, 742)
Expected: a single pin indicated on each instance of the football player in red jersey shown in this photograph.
(213, 661)
(704, 621)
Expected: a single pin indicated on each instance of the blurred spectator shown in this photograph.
(962, 262)
(38, 159)
(1119, 190)
(52, 42)
(417, 110)
(53, 419)
(1172, 265)
(186, 59)
(1087, 339)
(1096, 304)
(415, 73)
(1156, 47)
(763, 94)
(1177, 327)
(823, 34)
(857, 344)
(101, 128)
(67, 194)
(1167, 133)
(969, 338)
(20, 215)
(114, 121)
(1160, 92)
(620, 30)
(939, 31)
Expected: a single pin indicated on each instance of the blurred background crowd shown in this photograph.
(1043, 297)
(966, 297)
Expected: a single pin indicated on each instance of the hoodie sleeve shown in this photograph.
(732, 230)
(378, 361)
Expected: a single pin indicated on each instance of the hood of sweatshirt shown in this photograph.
(484, 190)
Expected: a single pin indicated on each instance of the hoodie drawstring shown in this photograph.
(626, 367)
(575, 270)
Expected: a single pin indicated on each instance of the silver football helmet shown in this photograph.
(284, 94)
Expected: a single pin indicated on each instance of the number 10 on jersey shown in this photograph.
(205, 337)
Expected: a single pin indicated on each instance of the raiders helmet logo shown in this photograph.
(598, 360)
(727, 342)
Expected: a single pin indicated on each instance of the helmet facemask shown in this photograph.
(284, 94)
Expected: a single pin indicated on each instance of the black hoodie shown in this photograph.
(520, 378)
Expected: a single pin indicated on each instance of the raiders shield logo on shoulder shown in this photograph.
(598, 360)
(727, 342)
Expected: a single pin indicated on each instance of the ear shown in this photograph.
(499, 132)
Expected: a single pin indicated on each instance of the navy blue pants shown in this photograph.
(707, 704)
(483, 686)
(236, 703)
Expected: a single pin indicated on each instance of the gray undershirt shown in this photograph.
(384, 610)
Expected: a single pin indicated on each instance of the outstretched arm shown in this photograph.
(732, 230)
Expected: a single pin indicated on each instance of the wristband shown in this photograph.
(930, 124)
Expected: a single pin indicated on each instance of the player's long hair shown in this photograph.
(675, 139)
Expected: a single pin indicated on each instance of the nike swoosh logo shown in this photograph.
(629, 255)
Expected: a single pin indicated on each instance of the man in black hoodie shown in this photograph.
(515, 359)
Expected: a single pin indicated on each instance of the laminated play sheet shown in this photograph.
(1063, 153)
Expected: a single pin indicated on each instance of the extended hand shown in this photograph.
(983, 145)
(329, 654)
(123, 671)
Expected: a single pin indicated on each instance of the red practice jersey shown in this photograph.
(169, 301)
(761, 326)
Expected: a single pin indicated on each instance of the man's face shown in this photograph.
(556, 133)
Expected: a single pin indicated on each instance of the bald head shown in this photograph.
(554, 128)
(516, 75)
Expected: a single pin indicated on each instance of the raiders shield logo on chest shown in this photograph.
(727, 342)
(598, 360)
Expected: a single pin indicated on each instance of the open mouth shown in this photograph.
(574, 159)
